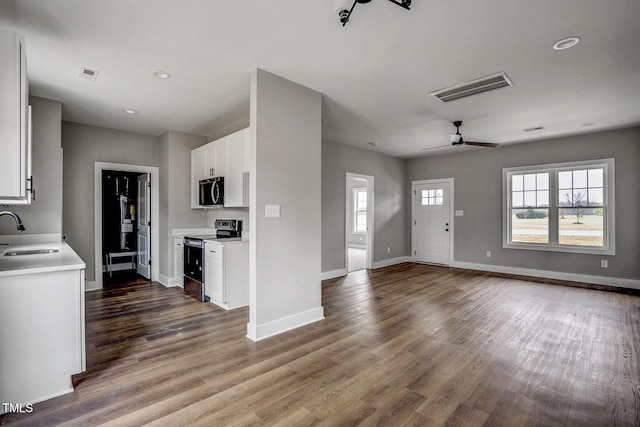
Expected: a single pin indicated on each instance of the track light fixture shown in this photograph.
(344, 8)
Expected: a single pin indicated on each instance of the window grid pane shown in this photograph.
(530, 190)
(432, 197)
(360, 211)
(581, 188)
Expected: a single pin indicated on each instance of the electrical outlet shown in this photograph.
(488, 254)
(604, 263)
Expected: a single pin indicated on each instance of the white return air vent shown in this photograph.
(484, 84)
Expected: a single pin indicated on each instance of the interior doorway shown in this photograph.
(125, 227)
(125, 198)
(359, 222)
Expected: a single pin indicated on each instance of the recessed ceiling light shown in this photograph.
(162, 75)
(373, 144)
(588, 124)
(566, 43)
(131, 111)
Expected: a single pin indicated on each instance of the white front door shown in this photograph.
(432, 222)
(144, 225)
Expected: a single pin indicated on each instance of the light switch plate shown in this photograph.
(272, 211)
(459, 213)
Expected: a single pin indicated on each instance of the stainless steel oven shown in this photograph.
(194, 267)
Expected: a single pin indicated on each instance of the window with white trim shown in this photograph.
(359, 210)
(432, 197)
(564, 207)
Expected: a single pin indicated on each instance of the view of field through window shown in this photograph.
(579, 207)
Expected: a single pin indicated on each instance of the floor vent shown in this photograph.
(484, 84)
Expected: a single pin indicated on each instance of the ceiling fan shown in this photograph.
(344, 11)
(456, 139)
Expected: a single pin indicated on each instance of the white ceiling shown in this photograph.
(375, 73)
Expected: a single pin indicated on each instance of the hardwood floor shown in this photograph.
(405, 345)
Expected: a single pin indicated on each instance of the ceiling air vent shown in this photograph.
(533, 129)
(88, 74)
(462, 90)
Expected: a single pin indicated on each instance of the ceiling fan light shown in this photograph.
(454, 138)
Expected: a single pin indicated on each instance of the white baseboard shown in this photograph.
(377, 264)
(333, 274)
(169, 282)
(278, 326)
(546, 274)
(91, 285)
(391, 261)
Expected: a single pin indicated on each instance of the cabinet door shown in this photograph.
(197, 173)
(221, 159)
(14, 123)
(214, 279)
(233, 180)
(210, 160)
(215, 158)
(178, 266)
(178, 260)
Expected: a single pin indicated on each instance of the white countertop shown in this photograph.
(64, 259)
(228, 241)
(181, 232)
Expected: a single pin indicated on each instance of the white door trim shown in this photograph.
(370, 217)
(451, 214)
(153, 171)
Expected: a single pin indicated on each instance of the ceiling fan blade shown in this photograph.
(433, 148)
(482, 144)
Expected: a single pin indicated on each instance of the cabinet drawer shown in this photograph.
(213, 250)
(178, 243)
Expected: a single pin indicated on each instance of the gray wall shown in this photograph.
(389, 198)
(285, 251)
(83, 146)
(45, 214)
(175, 192)
(478, 191)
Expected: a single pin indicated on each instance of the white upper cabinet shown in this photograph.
(15, 125)
(226, 157)
(215, 158)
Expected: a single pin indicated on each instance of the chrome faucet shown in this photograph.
(19, 224)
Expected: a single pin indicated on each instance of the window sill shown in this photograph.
(559, 248)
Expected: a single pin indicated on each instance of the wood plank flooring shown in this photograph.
(410, 344)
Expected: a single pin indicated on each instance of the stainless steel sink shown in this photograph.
(18, 252)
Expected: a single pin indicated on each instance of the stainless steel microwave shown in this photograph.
(212, 192)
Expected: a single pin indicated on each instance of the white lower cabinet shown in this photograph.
(214, 275)
(178, 261)
(226, 269)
